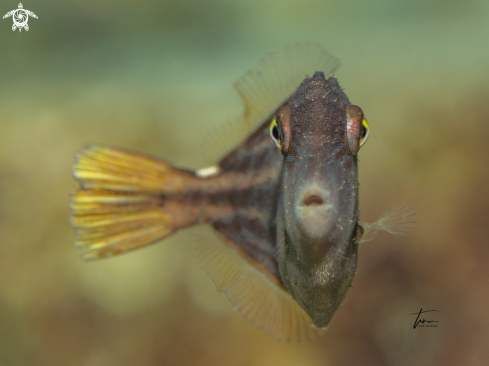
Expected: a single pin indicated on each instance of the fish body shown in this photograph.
(318, 207)
(283, 202)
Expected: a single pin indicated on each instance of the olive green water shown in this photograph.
(155, 76)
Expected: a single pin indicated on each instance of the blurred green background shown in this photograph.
(154, 76)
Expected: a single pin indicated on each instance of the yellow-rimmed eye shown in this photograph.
(356, 128)
(364, 131)
(276, 132)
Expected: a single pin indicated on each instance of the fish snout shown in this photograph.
(314, 210)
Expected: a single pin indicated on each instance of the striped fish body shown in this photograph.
(239, 200)
(283, 202)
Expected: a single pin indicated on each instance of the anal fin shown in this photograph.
(258, 296)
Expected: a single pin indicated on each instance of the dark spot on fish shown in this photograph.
(161, 200)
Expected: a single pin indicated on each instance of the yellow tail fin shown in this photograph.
(121, 205)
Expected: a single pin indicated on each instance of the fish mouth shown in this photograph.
(315, 200)
(314, 210)
(314, 195)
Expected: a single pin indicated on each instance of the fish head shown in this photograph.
(319, 133)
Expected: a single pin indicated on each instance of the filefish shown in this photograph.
(283, 201)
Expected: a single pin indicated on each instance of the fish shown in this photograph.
(279, 210)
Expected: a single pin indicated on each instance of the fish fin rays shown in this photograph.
(222, 139)
(398, 220)
(263, 90)
(122, 203)
(109, 223)
(277, 77)
(102, 167)
(254, 294)
(368, 232)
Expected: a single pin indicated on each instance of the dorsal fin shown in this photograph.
(278, 75)
(258, 297)
(264, 89)
(222, 139)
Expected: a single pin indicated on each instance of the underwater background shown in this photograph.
(155, 76)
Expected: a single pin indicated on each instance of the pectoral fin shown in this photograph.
(398, 220)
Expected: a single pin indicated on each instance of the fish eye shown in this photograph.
(364, 132)
(357, 128)
(276, 132)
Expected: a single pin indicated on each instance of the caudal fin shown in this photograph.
(127, 200)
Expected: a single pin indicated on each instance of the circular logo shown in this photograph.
(20, 17)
